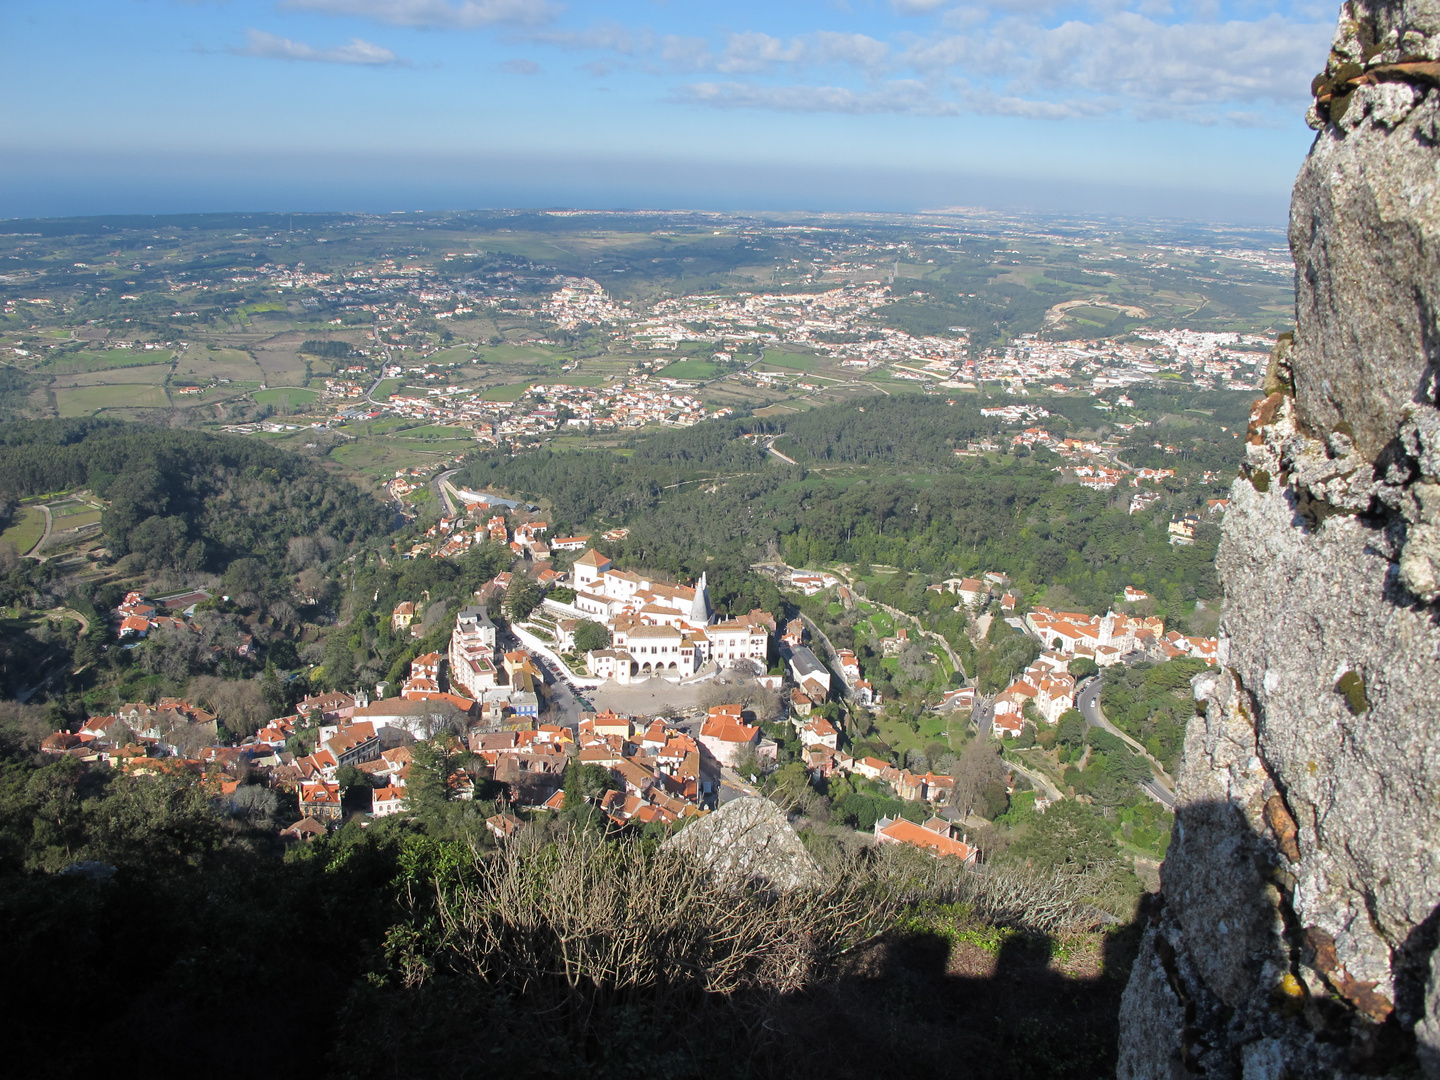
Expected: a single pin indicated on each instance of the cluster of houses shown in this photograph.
(136, 616)
(1108, 638)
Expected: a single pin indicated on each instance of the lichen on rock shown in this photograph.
(1301, 893)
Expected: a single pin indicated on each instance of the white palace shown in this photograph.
(660, 629)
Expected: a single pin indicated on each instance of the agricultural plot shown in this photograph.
(692, 369)
(25, 533)
(457, 354)
(87, 400)
(378, 458)
(519, 354)
(785, 359)
(286, 396)
(281, 363)
(508, 392)
(202, 364)
(436, 431)
(152, 374)
(87, 360)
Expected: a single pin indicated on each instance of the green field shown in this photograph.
(792, 361)
(691, 369)
(508, 392)
(84, 400)
(77, 521)
(378, 458)
(436, 431)
(155, 374)
(106, 359)
(291, 395)
(519, 354)
(385, 389)
(458, 354)
(26, 532)
(575, 380)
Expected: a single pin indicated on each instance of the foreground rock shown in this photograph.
(750, 840)
(1301, 894)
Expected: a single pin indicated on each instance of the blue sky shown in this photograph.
(1146, 106)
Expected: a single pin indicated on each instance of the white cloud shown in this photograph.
(270, 47)
(436, 14)
(902, 96)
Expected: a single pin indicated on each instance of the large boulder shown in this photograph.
(750, 841)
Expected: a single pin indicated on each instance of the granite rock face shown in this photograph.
(1301, 893)
(750, 841)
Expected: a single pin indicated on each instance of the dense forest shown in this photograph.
(704, 495)
(186, 500)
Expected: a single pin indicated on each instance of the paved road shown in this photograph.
(770, 448)
(370, 394)
(1087, 701)
(441, 485)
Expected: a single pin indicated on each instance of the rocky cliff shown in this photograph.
(1297, 925)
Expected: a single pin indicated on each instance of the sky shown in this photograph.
(1132, 107)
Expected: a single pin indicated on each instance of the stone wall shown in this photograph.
(1296, 935)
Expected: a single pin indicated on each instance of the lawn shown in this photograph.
(26, 532)
(84, 400)
(508, 392)
(691, 369)
(287, 395)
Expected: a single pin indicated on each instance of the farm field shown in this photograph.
(202, 363)
(506, 392)
(692, 369)
(385, 389)
(153, 374)
(84, 400)
(88, 360)
(574, 380)
(794, 361)
(456, 354)
(290, 395)
(26, 532)
(519, 354)
(436, 431)
(379, 459)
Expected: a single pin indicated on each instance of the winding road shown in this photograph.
(1162, 787)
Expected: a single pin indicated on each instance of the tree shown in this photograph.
(241, 704)
(591, 635)
(348, 776)
(979, 769)
(521, 598)
(1082, 667)
(1070, 730)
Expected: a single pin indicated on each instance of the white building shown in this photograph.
(472, 653)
